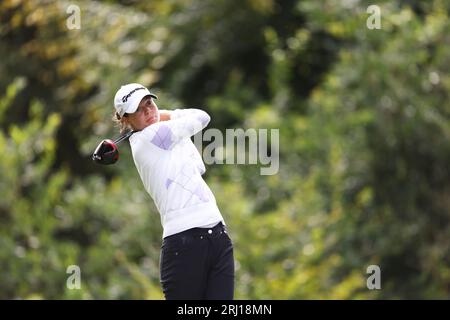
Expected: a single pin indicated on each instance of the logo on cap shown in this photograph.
(125, 98)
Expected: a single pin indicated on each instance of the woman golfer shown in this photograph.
(197, 254)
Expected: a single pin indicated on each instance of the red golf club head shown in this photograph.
(106, 152)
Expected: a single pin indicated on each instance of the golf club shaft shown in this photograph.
(125, 136)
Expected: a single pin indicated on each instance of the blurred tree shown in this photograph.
(51, 221)
(34, 46)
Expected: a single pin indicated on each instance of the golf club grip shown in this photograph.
(125, 136)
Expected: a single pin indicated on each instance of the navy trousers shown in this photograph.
(198, 264)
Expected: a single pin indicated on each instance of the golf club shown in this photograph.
(107, 151)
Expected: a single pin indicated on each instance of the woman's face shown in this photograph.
(146, 114)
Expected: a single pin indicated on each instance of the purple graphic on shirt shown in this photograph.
(168, 182)
(201, 193)
(204, 119)
(163, 137)
(189, 182)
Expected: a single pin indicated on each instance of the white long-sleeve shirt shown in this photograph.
(171, 169)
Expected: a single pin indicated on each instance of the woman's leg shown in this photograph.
(198, 264)
(183, 267)
(220, 283)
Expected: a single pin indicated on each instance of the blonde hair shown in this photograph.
(120, 123)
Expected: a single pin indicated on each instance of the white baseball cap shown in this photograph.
(129, 96)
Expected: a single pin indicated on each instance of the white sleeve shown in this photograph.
(183, 123)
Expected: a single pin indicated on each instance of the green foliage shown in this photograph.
(364, 144)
